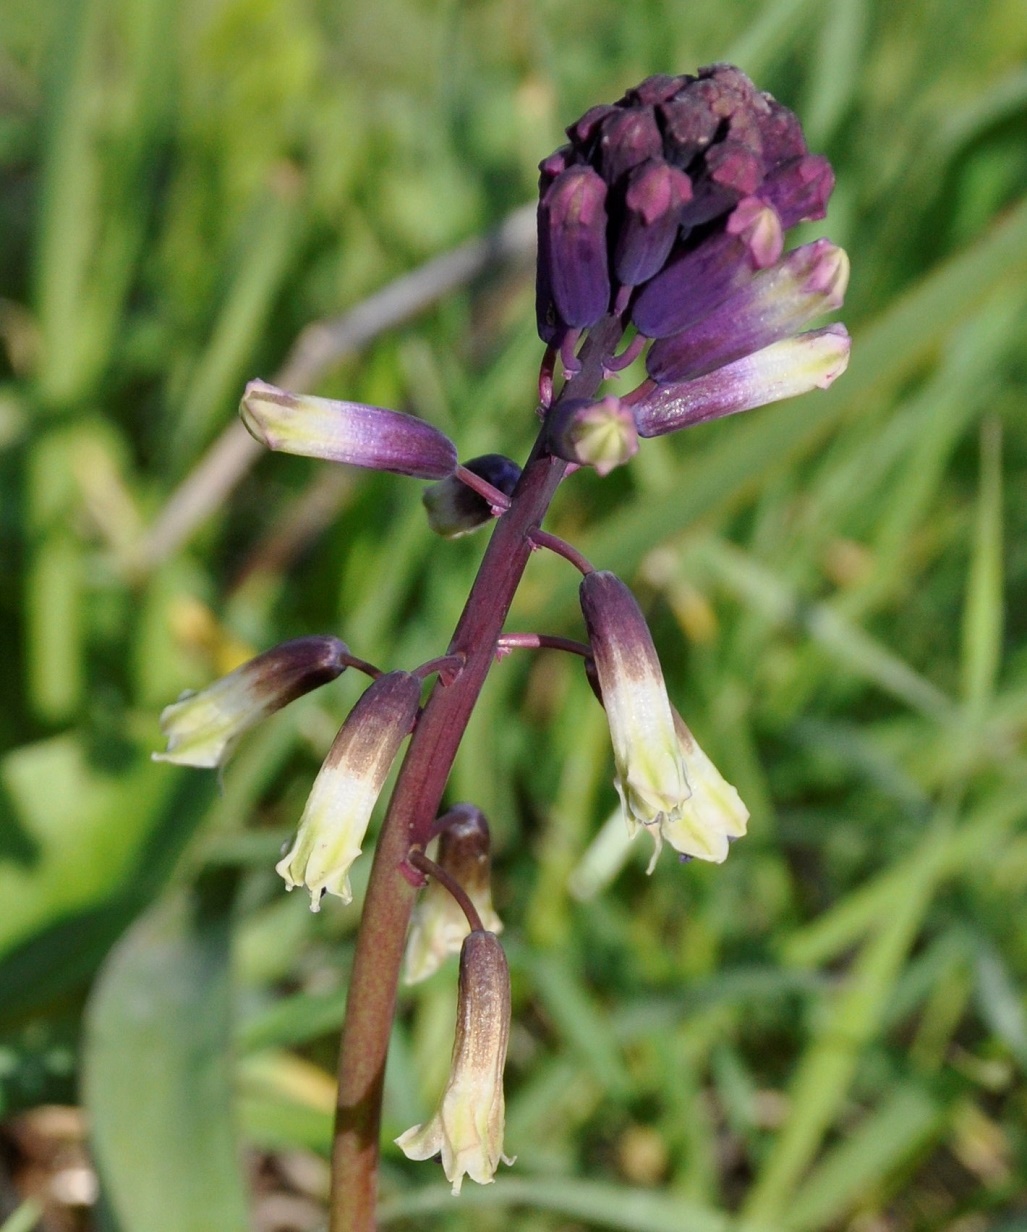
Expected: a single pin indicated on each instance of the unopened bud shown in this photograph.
(783, 370)
(777, 303)
(454, 509)
(346, 432)
(600, 434)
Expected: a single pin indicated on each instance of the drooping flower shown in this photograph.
(203, 727)
(712, 815)
(468, 1126)
(439, 926)
(650, 772)
(349, 432)
(666, 783)
(347, 786)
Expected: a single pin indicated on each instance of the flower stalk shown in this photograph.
(661, 229)
(414, 806)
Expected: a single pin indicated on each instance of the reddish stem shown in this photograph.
(498, 501)
(540, 641)
(424, 865)
(543, 539)
(412, 812)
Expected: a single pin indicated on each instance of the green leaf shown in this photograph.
(157, 1074)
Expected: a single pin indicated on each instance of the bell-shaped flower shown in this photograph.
(454, 509)
(650, 774)
(347, 786)
(782, 370)
(468, 1126)
(666, 782)
(203, 727)
(439, 926)
(712, 815)
(694, 281)
(346, 432)
(599, 434)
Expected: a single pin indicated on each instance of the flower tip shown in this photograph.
(829, 276)
(835, 346)
(260, 397)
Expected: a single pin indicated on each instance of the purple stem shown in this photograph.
(412, 811)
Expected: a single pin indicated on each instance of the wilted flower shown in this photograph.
(599, 434)
(347, 786)
(346, 432)
(454, 509)
(439, 926)
(202, 728)
(468, 1126)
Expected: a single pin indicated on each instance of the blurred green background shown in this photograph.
(828, 1031)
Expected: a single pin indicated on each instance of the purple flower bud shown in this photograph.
(600, 434)
(572, 226)
(583, 132)
(653, 200)
(783, 370)
(454, 509)
(776, 303)
(627, 138)
(346, 432)
(202, 728)
(799, 190)
(655, 89)
(696, 280)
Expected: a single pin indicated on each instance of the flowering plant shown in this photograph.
(661, 230)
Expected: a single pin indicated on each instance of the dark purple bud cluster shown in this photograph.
(667, 210)
(629, 207)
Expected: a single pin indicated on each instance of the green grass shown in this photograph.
(828, 1031)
